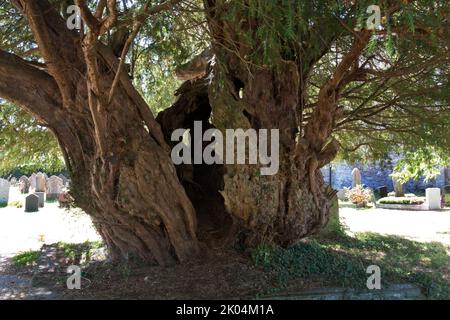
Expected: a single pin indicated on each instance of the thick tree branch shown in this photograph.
(58, 45)
(321, 123)
(27, 86)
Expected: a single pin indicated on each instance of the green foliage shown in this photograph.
(26, 258)
(425, 162)
(401, 200)
(343, 262)
(74, 251)
(406, 114)
(16, 204)
(25, 146)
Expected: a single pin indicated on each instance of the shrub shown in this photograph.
(359, 195)
(402, 200)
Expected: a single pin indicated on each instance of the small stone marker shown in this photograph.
(356, 177)
(32, 203)
(4, 192)
(382, 191)
(41, 196)
(433, 196)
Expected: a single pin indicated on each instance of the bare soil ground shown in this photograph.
(228, 274)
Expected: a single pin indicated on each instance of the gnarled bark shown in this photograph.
(120, 165)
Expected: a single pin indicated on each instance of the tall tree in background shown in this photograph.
(308, 68)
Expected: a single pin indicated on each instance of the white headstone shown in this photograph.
(4, 192)
(433, 196)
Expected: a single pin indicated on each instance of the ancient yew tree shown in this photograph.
(311, 69)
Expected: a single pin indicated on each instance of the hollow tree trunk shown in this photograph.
(120, 165)
(295, 202)
(281, 208)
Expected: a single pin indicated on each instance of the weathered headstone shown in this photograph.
(54, 187)
(333, 226)
(33, 181)
(41, 196)
(398, 187)
(32, 203)
(64, 178)
(13, 181)
(40, 182)
(433, 198)
(382, 191)
(356, 177)
(24, 184)
(4, 192)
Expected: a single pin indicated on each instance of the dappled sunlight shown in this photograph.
(21, 231)
(426, 226)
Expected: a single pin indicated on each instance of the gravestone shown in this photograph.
(24, 184)
(356, 177)
(40, 182)
(41, 196)
(54, 187)
(398, 187)
(333, 226)
(33, 181)
(64, 179)
(382, 191)
(32, 203)
(433, 198)
(342, 194)
(4, 192)
(13, 181)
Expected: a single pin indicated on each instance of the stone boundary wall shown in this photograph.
(374, 176)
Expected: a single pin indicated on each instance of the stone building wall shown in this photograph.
(374, 176)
